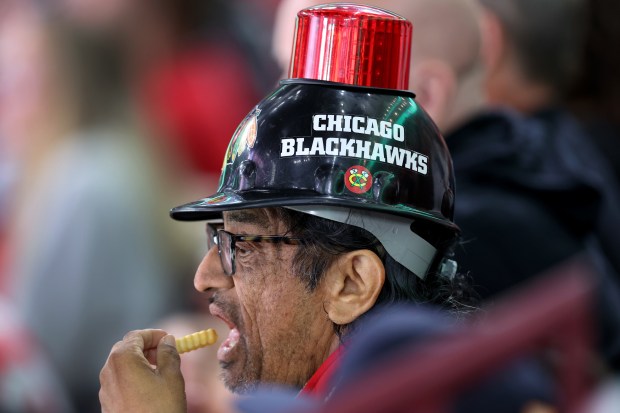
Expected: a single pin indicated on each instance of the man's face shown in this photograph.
(280, 332)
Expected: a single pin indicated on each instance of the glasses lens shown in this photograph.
(226, 251)
(212, 234)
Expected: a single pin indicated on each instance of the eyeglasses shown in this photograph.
(225, 241)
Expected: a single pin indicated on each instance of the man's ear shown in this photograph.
(434, 83)
(352, 285)
(493, 48)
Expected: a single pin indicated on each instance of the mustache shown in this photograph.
(230, 310)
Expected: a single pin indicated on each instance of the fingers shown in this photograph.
(130, 383)
(138, 346)
(142, 340)
(130, 351)
(167, 354)
(168, 359)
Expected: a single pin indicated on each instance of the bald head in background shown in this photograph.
(446, 68)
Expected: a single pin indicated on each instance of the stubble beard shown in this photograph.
(245, 382)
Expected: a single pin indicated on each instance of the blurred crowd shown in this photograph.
(110, 114)
(113, 112)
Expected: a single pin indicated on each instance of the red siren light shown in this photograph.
(354, 44)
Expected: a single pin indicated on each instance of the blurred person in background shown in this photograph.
(29, 381)
(87, 261)
(532, 65)
(194, 69)
(529, 190)
(185, 68)
(207, 72)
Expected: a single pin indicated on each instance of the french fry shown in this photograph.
(196, 340)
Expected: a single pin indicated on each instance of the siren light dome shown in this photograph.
(354, 44)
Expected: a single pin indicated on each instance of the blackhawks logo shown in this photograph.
(358, 179)
(244, 137)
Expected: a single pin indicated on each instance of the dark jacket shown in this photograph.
(531, 193)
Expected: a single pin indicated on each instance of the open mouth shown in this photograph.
(224, 353)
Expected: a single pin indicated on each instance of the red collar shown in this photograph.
(320, 380)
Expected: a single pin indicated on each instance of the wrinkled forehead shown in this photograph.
(266, 218)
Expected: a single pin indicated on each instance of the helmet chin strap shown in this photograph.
(394, 232)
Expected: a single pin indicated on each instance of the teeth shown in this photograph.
(231, 341)
(233, 338)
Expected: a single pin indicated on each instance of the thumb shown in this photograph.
(169, 369)
(168, 359)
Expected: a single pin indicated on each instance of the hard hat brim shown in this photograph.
(212, 207)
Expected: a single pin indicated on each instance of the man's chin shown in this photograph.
(241, 387)
(235, 384)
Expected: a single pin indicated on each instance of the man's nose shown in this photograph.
(210, 274)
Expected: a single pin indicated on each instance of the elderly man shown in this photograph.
(333, 200)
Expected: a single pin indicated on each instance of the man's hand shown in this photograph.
(142, 374)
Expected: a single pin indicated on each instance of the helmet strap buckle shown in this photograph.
(447, 268)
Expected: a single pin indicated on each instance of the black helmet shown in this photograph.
(366, 156)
